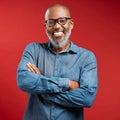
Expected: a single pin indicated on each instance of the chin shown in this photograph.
(59, 43)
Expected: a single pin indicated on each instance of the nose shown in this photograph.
(57, 25)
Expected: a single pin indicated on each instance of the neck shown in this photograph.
(60, 49)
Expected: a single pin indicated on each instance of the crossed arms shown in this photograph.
(62, 91)
(72, 83)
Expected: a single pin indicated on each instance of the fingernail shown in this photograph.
(29, 70)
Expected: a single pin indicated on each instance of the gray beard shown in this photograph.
(60, 43)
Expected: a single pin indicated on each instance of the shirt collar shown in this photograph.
(73, 48)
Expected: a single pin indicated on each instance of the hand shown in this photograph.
(73, 84)
(33, 68)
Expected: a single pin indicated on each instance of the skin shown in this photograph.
(57, 35)
(55, 12)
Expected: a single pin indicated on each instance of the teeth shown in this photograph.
(57, 34)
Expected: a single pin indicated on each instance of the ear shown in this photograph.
(72, 23)
(45, 25)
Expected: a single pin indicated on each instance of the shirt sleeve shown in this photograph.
(34, 83)
(83, 96)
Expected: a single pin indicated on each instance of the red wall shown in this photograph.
(97, 27)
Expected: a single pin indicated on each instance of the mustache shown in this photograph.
(58, 30)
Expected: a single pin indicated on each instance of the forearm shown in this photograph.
(81, 97)
(37, 84)
(31, 80)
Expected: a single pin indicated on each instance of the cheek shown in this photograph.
(68, 27)
(49, 30)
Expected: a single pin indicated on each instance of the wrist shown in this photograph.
(69, 84)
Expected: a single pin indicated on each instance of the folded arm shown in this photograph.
(57, 90)
(29, 78)
(83, 96)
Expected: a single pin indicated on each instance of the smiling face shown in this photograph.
(59, 34)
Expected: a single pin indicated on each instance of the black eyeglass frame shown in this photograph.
(57, 21)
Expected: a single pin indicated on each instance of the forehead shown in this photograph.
(56, 12)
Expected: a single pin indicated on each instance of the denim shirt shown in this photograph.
(49, 97)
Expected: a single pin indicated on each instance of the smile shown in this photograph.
(58, 34)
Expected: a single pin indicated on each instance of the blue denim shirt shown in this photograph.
(49, 97)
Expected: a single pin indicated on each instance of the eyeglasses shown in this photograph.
(61, 21)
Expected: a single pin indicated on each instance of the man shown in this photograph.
(60, 77)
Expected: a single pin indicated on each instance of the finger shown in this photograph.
(30, 68)
(33, 68)
(36, 70)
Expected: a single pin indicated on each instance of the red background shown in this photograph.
(97, 27)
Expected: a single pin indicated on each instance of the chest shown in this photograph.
(60, 65)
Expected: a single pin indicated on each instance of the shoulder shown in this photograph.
(84, 53)
(35, 46)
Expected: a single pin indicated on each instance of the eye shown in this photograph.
(62, 21)
(50, 22)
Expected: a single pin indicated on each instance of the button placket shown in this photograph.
(56, 70)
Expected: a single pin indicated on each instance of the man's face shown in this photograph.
(58, 34)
